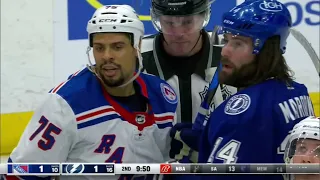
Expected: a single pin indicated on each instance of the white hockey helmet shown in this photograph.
(116, 18)
(308, 128)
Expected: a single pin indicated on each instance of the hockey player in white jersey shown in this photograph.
(303, 147)
(107, 112)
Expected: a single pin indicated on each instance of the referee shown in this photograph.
(182, 55)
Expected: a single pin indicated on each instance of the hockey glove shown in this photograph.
(184, 142)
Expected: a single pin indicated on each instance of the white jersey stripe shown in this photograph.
(58, 87)
(93, 110)
(164, 114)
(164, 121)
(96, 113)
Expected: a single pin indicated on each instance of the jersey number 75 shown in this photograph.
(47, 141)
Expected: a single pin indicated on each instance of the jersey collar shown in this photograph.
(139, 119)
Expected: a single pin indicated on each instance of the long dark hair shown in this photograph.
(270, 63)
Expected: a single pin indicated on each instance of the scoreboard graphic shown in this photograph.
(92, 169)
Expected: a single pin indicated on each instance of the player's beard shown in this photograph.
(239, 77)
(110, 82)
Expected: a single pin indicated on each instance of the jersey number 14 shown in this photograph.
(228, 153)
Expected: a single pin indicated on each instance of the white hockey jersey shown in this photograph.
(80, 122)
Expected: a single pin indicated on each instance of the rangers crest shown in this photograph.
(168, 93)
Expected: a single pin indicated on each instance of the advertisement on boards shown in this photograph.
(70, 36)
(77, 22)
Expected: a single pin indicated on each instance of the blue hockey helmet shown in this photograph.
(259, 20)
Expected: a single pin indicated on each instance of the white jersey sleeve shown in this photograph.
(50, 134)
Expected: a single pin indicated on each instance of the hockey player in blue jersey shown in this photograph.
(252, 125)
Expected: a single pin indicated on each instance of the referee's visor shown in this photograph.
(180, 24)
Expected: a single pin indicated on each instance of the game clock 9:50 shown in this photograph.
(143, 168)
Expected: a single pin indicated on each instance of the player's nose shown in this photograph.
(226, 51)
(178, 31)
(305, 159)
(108, 54)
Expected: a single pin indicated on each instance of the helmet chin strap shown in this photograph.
(91, 68)
(139, 69)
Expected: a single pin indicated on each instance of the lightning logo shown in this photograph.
(74, 168)
(237, 104)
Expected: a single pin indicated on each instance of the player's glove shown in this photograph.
(184, 144)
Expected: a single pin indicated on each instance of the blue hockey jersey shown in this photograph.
(252, 125)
